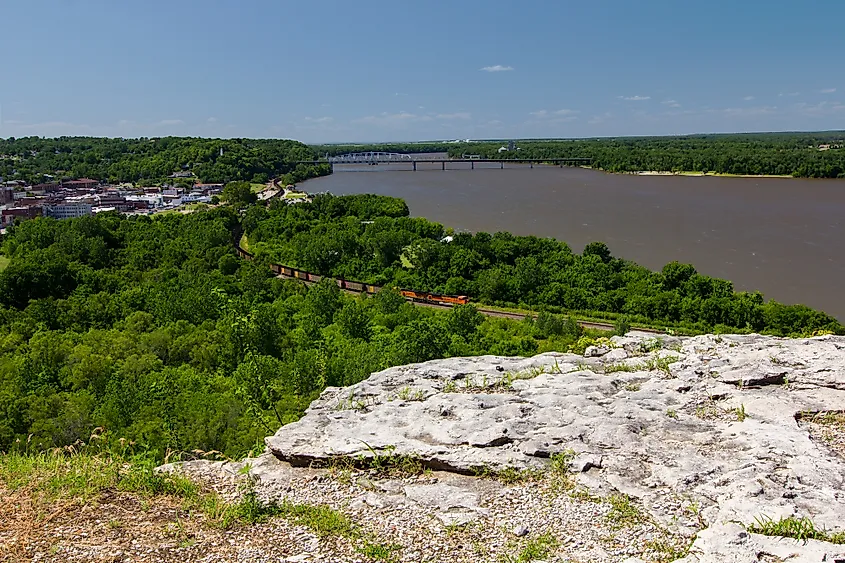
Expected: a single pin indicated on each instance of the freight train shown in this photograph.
(359, 287)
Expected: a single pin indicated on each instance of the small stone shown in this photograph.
(595, 351)
(520, 531)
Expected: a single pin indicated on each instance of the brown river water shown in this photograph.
(780, 236)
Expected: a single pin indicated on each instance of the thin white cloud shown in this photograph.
(54, 124)
(603, 118)
(170, 122)
(391, 119)
(746, 111)
(634, 98)
(671, 103)
(325, 119)
(748, 98)
(546, 118)
(819, 109)
(790, 94)
(212, 120)
(459, 115)
(827, 91)
(496, 68)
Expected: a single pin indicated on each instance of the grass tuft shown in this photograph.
(535, 549)
(623, 512)
(380, 552)
(796, 528)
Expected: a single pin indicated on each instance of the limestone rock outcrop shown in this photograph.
(726, 423)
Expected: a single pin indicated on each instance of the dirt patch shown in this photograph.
(827, 427)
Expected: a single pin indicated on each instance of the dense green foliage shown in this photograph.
(790, 154)
(153, 329)
(408, 148)
(133, 160)
(368, 238)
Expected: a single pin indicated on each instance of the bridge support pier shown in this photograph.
(502, 167)
(471, 165)
(415, 166)
(532, 165)
(443, 165)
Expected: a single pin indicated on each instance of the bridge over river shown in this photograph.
(409, 162)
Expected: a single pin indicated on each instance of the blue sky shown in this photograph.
(333, 71)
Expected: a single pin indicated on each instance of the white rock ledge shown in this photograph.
(659, 437)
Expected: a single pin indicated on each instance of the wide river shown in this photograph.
(784, 237)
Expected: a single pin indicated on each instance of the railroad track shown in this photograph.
(295, 274)
(593, 325)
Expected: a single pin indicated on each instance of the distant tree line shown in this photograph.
(371, 238)
(140, 160)
(783, 154)
(408, 148)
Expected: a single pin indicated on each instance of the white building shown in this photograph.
(67, 210)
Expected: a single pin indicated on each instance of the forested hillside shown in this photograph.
(132, 160)
(152, 329)
(372, 239)
(790, 154)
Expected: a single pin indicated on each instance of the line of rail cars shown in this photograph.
(359, 287)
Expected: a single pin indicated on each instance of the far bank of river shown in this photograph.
(782, 236)
(712, 174)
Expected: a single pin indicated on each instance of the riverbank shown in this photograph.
(693, 173)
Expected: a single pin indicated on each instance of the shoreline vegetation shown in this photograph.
(801, 154)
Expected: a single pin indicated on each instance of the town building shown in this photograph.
(8, 216)
(7, 195)
(81, 184)
(67, 210)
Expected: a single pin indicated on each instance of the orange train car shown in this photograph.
(426, 297)
(453, 299)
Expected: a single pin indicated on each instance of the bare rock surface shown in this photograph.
(699, 431)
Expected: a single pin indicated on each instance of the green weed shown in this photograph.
(797, 528)
(408, 394)
(623, 512)
(535, 549)
(380, 552)
(666, 550)
(621, 366)
(661, 364)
